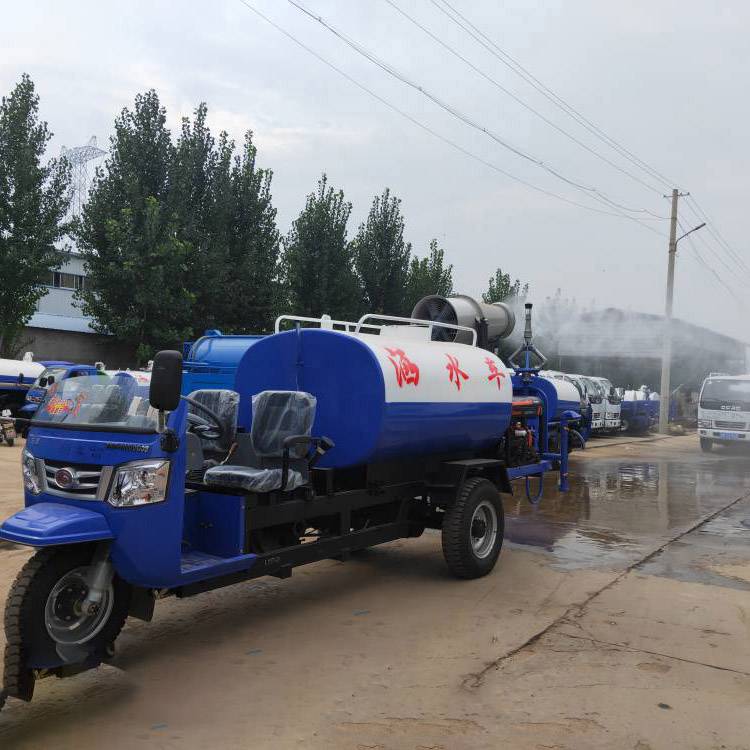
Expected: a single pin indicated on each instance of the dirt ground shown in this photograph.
(618, 616)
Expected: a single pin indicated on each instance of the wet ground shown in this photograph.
(618, 616)
(626, 499)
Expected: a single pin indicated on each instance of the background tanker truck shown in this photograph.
(333, 438)
(16, 377)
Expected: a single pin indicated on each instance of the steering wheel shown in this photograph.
(206, 429)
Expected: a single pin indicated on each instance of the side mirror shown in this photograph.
(612, 391)
(19, 379)
(50, 380)
(166, 381)
(43, 382)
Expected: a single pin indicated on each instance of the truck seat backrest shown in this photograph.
(278, 415)
(223, 403)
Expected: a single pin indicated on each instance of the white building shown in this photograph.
(59, 329)
(56, 311)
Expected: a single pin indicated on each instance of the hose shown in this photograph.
(536, 498)
(577, 435)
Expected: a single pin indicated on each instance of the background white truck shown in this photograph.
(724, 410)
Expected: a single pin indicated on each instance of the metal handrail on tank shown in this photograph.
(429, 324)
(324, 321)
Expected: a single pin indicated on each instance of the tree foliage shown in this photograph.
(382, 255)
(428, 275)
(137, 262)
(178, 237)
(501, 289)
(317, 259)
(34, 199)
(251, 291)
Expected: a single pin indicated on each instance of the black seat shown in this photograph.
(281, 445)
(225, 404)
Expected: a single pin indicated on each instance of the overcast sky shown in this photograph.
(668, 79)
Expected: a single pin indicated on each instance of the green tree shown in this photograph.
(34, 199)
(428, 275)
(317, 259)
(501, 289)
(382, 256)
(178, 237)
(222, 202)
(138, 287)
(247, 284)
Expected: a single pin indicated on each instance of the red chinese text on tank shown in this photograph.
(495, 373)
(455, 373)
(406, 370)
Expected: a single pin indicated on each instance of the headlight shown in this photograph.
(139, 483)
(31, 481)
(704, 423)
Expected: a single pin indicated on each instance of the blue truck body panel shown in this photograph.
(46, 524)
(211, 361)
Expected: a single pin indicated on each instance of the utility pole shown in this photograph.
(666, 352)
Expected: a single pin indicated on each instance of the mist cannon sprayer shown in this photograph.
(492, 322)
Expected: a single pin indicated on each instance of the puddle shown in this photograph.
(618, 508)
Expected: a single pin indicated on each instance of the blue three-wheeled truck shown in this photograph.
(335, 437)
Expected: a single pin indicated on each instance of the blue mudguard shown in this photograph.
(50, 524)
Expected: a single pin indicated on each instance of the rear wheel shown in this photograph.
(473, 529)
(706, 445)
(45, 624)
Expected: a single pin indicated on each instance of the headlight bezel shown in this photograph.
(124, 477)
(32, 481)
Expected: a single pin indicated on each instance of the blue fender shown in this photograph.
(50, 524)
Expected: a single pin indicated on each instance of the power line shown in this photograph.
(478, 35)
(467, 120)
(527, 106)
(434, 133)
(716, 254)
(714, 231)
(708, 267)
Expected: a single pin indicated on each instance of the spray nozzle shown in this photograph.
(527, 329)
(526, 367)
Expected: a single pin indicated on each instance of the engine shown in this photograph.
(520, 445)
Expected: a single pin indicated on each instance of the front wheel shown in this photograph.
(45, 624)
(706, 445)
(473, 529)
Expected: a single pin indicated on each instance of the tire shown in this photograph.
(478, 501)
(29, 641)
(706, 445)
